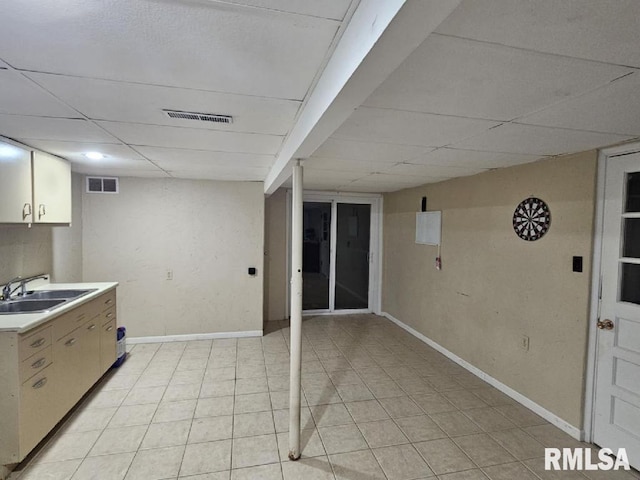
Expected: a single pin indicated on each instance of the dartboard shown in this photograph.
(531, 219)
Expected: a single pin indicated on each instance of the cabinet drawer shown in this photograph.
(32, 343)
(34, 364)
(107, 300)
(65, 324)
(108, 315)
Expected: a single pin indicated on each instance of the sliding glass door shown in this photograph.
(337, 244)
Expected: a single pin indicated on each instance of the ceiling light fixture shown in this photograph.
(94, 155)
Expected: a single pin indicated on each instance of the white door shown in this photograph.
(617, 402)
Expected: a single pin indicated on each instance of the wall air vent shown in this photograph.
(202, 117)
(102, 185)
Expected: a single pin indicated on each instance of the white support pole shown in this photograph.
(296, 313)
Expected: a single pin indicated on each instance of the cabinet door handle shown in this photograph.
(109, 301)
(91, 327)
(26, 210)
(110, 314)
(38, 363)
(40, 383)
(42, 211)
(70, 343)
(109, 328)
(38, 343)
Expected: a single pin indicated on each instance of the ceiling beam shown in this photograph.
(379, 37)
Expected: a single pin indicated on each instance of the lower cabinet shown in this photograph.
(46, 371)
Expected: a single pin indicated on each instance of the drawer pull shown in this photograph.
(109, 328)
(40, 383)
(38, 363)
(91, 327)
(110, 314)
(38, 343)
(71, 342)
(109, 301)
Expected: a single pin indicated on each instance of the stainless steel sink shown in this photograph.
(28, 306)
(55, 294)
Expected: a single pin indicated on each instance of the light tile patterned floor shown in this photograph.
(378, 404)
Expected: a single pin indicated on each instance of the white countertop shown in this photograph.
(21, 322)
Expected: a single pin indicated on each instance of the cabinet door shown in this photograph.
(38, 409)
(15, 184)
(90, 352)
(107, 344)
(68, 359)
(51, 189)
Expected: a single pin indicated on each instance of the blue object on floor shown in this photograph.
(121, 346)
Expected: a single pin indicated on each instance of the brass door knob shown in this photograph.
(605, 325)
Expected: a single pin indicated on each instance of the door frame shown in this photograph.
(596, 279)
(375, 265)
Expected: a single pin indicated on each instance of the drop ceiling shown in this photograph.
(498, 83)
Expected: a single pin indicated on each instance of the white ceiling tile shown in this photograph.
(604, 30)
(206, 45)
(191, 138)
(3, 65)
(336, 177)
(177, 159)
(614, 108)
(49, 128)
(432, 170)
(19, 95)
(455, 76)
(117, 156)
(408, 128)
(334, 9)
(470, 158)
(367, 151)
(136, 103)
(526, 139)
(346, 165)
(244, 174)
(147, 171)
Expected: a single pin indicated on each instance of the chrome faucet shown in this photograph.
(7, 291)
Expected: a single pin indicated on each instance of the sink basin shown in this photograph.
(28, 306)
(55, 294)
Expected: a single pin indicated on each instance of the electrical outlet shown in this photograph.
(524, 342)
(169, 274)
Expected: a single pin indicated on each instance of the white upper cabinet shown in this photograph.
(51, 189)
(15, 184)
(34, 187)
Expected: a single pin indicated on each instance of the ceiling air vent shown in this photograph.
(102, 185)
(202, 117)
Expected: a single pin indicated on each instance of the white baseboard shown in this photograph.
(518, 397)
(194, 336)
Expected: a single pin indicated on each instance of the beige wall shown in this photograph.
(208, 233)
(275, 262)
(24, 251)
(495, 287)
(67, 241)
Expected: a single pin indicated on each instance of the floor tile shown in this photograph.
(144, 395)
(474, 474)
(483, 450)
(333, 414)
(105, 399)
(464, 399)
(174, 393)
(175, 411)
(455, 423)
(119, 440)
(209, 429)
(342, 438)
(354, 393)
(86, 420)
(402, 462)
(520, 415)
(254, 402)
(537, 466)
(317, 468)
(249, 424)
(310, 444)
(321, 395)
(366, 411)
(69, 446)
(50, 471)
(166, 434)
(185, 377)
(253, 451)
(214, 406)
(518, 443)
(133, 415)
(444, 456)
(263, 472)
(217, 388)
(489, 419)
(360, 465)
(281, 419)
(385, 389)
(156, 464)
(509, 471)
(107, 467)
(551, 436)
(400, 407)
(434, 403)
(420, 429)
(382, 433)
(493, 397)
(208, 457)
(245, 386)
